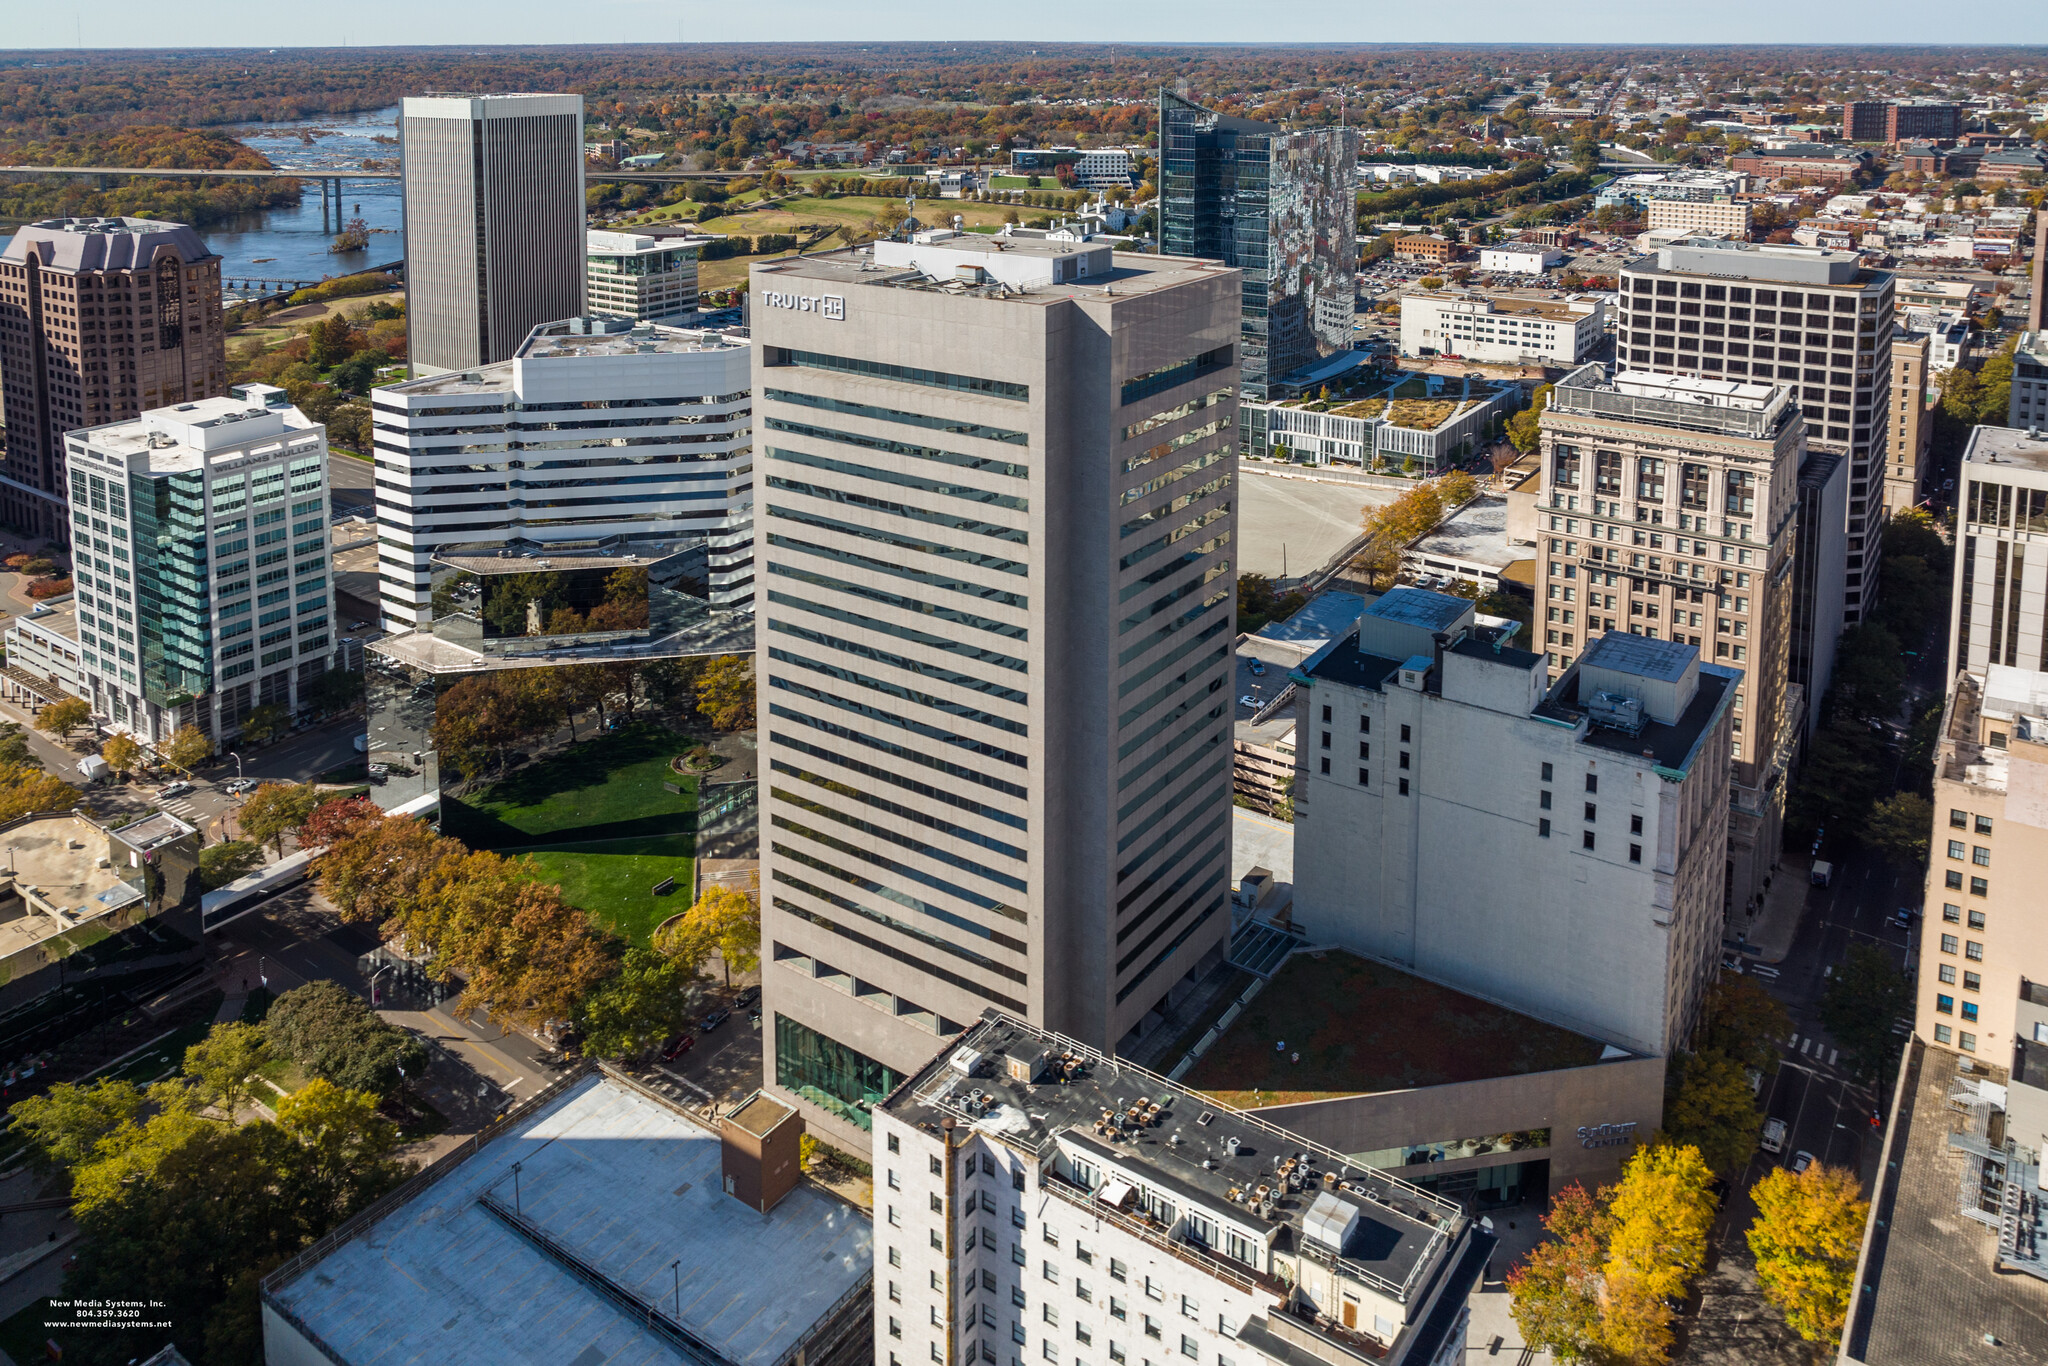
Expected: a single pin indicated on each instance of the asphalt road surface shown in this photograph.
(351, 486)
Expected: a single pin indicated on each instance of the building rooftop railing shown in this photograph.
(1585, 391)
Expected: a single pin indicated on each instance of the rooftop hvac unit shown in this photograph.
(1230, 1145)
(1025, 1066)
(1329, 1221)
(965, 1061)
(1616, 711)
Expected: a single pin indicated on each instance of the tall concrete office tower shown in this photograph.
(994, 598)
(1804, 317)
(1667, 511)
(493, 223)
(1281, 206)
(100, 319)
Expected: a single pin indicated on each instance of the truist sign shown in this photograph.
(832, 306)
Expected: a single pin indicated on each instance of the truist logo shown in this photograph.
(832, 306)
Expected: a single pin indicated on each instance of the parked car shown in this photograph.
(678, 1046)
(1801, 1160)
(177, 789)
(714, 1020)
(1774, 1136)
(1258, 668)
(747, 997)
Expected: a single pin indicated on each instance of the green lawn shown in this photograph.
(614, 879)
(609, 787)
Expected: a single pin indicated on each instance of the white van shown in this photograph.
(1774, 1136)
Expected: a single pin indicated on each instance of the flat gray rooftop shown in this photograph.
(1419, 607)
(627, 1183)
(1132, 274)
(1639, 655)
(1928, 1294)
(2011, 447)
(1476, 533)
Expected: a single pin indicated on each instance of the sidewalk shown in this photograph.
(1776, 924)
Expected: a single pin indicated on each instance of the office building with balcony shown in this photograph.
(1812, 319)
(1996, 613)
(647, 279)
(595, 430)
(1278, 205)
(994, 578)
(200, 552)
(1032, 1190)
(1685, 498)
(1600, 800)
(494, 234)
(100, 318)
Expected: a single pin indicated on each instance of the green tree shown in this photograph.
(1502, 603)
(1859, 1005)
(276, 808)
(1806, 1237)
(335, 1035)
(1525, 429)
(266, 723)
(1745, 1022)
(1900, 826)
(639, 1007)
(224, 1061)
(725, 693)
(14, 745)
(64, 1126)
(1713, 1109)
(333, 1156)
(63, 717)
(220, 864)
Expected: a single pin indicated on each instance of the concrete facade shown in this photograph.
(995, 602)
(1721, 216)
(673, 463)
(1983, 937)
(101, 318)
(1802, 316)
(1998, 607)
(1704, 472)
(2028, 406)
(1618, 1104)
(494, 235)
(1503, 327)
(1597, 903)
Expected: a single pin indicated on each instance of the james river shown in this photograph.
(287, 244)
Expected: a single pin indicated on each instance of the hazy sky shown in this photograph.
(250, 23)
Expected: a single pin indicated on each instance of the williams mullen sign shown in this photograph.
(1606, 1135)
(832, 306)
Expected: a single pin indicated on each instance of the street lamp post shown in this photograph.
(373, 982)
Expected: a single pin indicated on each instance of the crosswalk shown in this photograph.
(181, 808)
(1810, 1047)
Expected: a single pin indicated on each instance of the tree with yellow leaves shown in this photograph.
(725, 919)
(1808, 1230)
(1661, 1213)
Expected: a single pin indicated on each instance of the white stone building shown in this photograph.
(199, 536)
(1036, 1200)
(1506, 328)
(1556, 847)
(1519, 258)
(596, 430)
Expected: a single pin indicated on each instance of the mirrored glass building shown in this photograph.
(1281, 205)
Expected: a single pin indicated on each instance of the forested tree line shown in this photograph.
(197, 202)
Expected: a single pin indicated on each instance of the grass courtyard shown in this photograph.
(599, 819)
(615, 879)
(1361, 1026)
